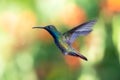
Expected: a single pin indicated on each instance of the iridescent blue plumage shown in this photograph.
(64, 41)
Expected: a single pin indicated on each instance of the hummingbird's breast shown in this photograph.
(62, 45)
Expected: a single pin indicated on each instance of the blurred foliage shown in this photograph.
(27, 54)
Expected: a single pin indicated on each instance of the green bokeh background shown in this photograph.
(28, 54)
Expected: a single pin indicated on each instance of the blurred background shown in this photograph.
(30, 54)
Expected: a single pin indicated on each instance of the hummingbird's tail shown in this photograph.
(77, 55)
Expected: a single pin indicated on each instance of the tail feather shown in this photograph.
(77, 55)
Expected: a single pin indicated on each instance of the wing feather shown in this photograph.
(79, 30)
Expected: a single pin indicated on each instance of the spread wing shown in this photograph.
(80, 30)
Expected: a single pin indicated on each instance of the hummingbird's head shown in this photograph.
(48, 27)
(51, 29)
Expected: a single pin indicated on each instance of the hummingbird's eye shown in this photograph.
(49, 27)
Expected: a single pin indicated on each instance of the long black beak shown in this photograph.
(39, 27)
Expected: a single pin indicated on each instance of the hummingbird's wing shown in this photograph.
(79, 30)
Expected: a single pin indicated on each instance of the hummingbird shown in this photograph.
(64, 40)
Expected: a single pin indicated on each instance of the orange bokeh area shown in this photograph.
(18, 26)
(113, 5)
(72, 15)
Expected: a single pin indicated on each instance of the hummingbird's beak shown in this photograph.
(39, 27)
